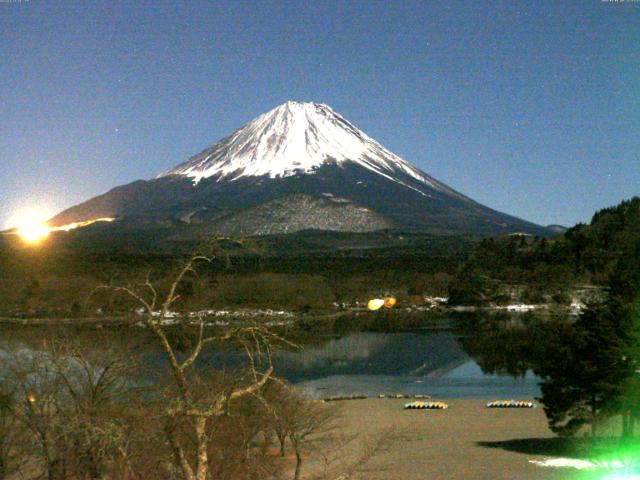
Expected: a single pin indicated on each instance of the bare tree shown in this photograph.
(279, 406)
(313, 430)
(306, 424)
(195, 408)
(36, 406)
(312, 422)
(65, 407)
(12, 441)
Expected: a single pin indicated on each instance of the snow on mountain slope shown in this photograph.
(298, 137)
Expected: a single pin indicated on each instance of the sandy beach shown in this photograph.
(465, 441)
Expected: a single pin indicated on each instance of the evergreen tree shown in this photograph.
(595, 371)
(585, 253)
(582, 372)
(624, 304)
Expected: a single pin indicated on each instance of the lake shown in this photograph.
(418, 362)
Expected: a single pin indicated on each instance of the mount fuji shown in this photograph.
(299, 166)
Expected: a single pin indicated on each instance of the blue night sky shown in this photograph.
(530, 107)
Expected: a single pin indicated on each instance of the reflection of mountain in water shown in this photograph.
(374, 354)
(429, 362)
(418, 354)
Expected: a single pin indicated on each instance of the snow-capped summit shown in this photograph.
(299, 166)
(296, 137)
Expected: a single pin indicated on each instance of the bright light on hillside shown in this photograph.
(33, 231)
(30, 225)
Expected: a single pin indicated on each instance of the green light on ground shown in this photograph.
(621, 476)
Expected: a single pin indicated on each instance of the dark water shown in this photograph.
(424, 362)
(431, 363)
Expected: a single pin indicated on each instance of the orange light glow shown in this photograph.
(389, 302)
(33, 233)
(31, 226)
(86, 223)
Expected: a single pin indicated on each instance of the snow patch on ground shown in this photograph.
(221, 317)
(576, 306)
(564, 463)
(520, 307)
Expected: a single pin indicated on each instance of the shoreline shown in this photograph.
(224, 316)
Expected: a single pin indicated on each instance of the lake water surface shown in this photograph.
(423, 362)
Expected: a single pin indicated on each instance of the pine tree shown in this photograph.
(624, 304)
(595, 370)
(582, 372)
